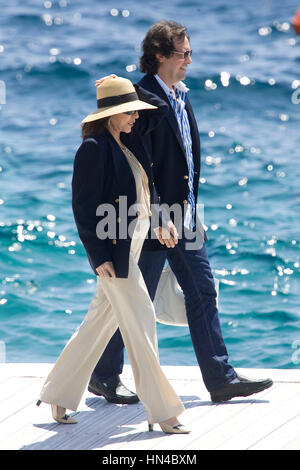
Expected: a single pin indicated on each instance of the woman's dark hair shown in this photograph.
(159, 40)
(94, 127)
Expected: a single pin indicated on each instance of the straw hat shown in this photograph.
(116, 95)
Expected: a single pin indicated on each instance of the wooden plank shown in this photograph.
(204, 426)
(273, 414)
(277, 375)
(96, 419)
(292, 445)
(3, 379)
(138, 437)
(37, 425)
(12, 405)
(172, 372)
(267, 420)
(10, 388)
(15, 369)
(284, 434)
(45, 428)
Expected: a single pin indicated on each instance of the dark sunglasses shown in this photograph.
(184, 54)
(130, 113)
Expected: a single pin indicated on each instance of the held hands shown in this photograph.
(167, 237)
(106, 270)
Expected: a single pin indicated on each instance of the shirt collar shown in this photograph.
(179, 86)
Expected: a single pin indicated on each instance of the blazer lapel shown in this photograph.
(123, 172)
(157, 89)
(134, 144)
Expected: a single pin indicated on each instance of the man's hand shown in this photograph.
(167, 237)
(106, 270)
(101, 80)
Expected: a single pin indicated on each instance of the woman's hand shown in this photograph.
(167, 237)
(106, 270)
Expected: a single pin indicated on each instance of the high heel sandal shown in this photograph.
(168, 429)
(59, 414)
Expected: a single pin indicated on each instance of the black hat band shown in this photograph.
(115, 100)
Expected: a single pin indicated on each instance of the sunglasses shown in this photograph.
(130, 113)
(184, 54)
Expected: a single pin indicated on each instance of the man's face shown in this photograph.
(176, 65)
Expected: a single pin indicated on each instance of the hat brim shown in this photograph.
(100, 113)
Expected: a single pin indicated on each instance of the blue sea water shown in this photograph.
(244, 75)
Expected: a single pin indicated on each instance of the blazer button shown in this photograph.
(114, 242)
(117, 200)
(118, 220)
(151, 164)
(186, 177)
(185, 201)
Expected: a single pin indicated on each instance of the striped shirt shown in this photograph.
(178, 106)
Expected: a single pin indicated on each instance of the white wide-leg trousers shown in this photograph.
(123, 303)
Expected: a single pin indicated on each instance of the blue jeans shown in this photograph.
(193, 273)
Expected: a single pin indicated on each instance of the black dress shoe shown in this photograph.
(240, 387)
(113, 390)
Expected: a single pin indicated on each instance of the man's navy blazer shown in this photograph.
(101, 174)
(165, 145)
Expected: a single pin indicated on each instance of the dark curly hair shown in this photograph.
(159, 40)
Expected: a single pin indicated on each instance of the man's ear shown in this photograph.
(160, 58)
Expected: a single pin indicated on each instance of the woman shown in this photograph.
(105, 171)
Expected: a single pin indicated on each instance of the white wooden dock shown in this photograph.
(269, 420)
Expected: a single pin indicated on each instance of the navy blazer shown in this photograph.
(165, 145)
(101, 174)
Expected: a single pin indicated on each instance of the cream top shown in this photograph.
(141, 182)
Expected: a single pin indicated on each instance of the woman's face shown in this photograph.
(123, 122)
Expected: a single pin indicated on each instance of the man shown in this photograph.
(175, 150)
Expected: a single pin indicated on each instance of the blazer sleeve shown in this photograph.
(87, 194)
(149, 119)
